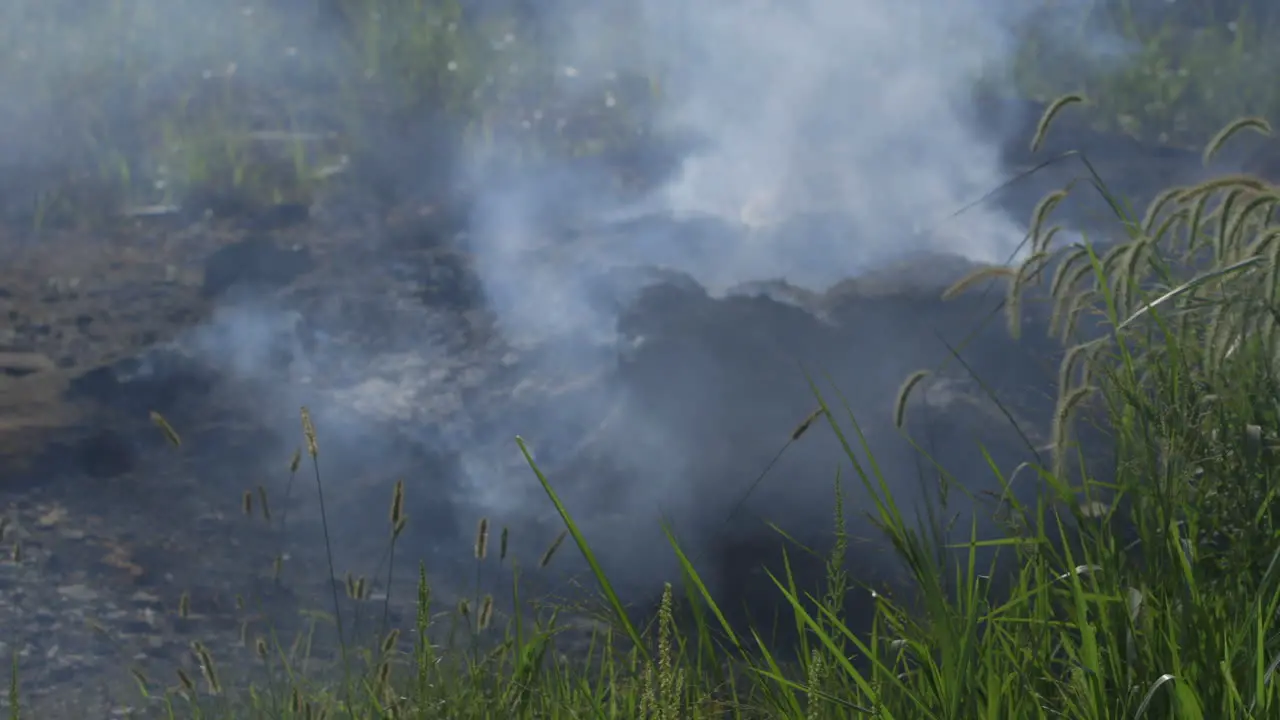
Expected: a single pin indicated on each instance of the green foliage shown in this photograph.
(1162, 72)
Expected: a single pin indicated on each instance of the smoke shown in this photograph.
(834, 137)
(837, 137)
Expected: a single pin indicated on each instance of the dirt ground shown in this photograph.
(105, 535)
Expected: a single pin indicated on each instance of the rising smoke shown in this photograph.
(853, 109)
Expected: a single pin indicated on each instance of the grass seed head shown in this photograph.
(551, 551)
(482, 539)
(186, 681)
(1257, 124)
(389, 642)
(805, 424)
(166, 429)
(904, 394)
(262, 503)
(397, 504)
(1046, 120)
(982, 274)
(309, 432)
(207, 667)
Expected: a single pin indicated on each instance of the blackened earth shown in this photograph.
(392, 345)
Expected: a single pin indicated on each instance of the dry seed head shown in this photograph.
(1198, 217)
(389, 642)
(397, 504)
(15, 554)
(260, 646)
(989, 272)
(1065, 412)
(1165, 228)
(551, 551)
(1046, 240)
(1257, 124)
(1059, 283)
(1222, 238)
(464, 608)
(1263, 244)
(1069, 359)
(486, 613)
(295, 701)
(482, 539)
(207, 667)
(1222, 183)
(184, 605)
(309, 431)
(399, 527)
(384, 677)
(1051, 112)
(1113, 256)
(166, 429)
(1066, 301)
(1128, 283)
(805, 424)
(246, 503)
(502, 544)
(1153, 210)
(262, 502)
(904, 394)
(1079, 305)
(185, 679)
(1267, 201)
(1041, 213)
(277, 566)
(1013, 298)
(296, 460)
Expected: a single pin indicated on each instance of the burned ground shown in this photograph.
(390, 342)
